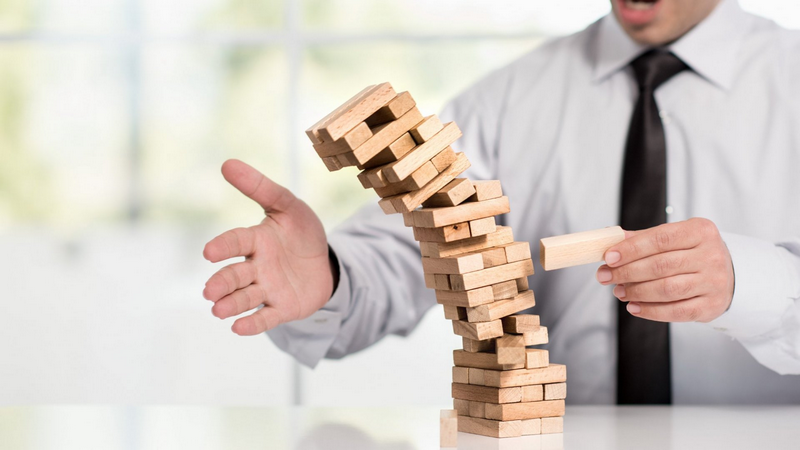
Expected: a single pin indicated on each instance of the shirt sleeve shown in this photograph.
(765, 310)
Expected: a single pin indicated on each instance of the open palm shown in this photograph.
(286, 268)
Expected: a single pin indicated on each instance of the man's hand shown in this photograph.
(676, 272)
(286, 268)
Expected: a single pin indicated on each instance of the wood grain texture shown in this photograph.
(536, 337)
(501, 308)
(480, 227)
(472, 346)
(475, 375)
(516, 251)
(448, 233)
(491, 428)
(477, 409)
(448, 428)
(486, 394)
(419, 178)
(530, 427)
(444, 159)
(554, 373)
(478, 331)
(578, 248)
(510, 349)
(461, 406)
(393, 110)
(454, 312)
(313, 131)
(410, 162)
(492, 275)
(392, 152)
(332, 163)
(552, 425)
(474, 297)
(503, 235)
(521, 323)
(486, 190)
(358, 111)
(411, 200)
(482, 360)
(505, 290)
(384, 135)
(453, 264)
(461, 375)
(532, 393)
(439, 217)
(525, 410)
(555, 391)
(536, 358)
(454, 193)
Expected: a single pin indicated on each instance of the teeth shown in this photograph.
(639, 6)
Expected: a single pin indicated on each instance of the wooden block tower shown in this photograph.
(501, 386)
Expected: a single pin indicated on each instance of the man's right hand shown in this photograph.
(286, 269)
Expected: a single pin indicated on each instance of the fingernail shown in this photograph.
(603, 275)
(634, 308)
(612, 257)
(619, 291)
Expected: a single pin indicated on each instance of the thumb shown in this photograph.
(270, 195)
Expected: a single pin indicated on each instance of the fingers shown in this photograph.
(260, 321)
(670, 289)
(252, 183)
(689, 310)
(239, 302)
(229, 279)
(230, 244)
(660, 239)
(650, 268)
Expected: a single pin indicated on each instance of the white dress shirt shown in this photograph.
(552, 127)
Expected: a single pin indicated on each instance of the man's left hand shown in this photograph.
(676, 272)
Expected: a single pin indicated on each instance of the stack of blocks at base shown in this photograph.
(501, 388)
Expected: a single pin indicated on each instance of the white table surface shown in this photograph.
(189, 427)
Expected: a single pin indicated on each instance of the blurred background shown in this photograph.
(115, 116)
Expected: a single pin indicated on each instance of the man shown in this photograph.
(588, 131)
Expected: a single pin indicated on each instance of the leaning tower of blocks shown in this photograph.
(501, 387)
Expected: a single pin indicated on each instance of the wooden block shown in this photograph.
(393, 110)
(452, 264)
(362, 178)
(492, 275)
(387, 206)
(347, 143)
(455, 312)
(491, 256)
(477, 409)
(555, 391)
(530, 427)
(503, 235)
(439, 217)
(472, 346)
(478, 331)
(504, 290)
(522, 284)
(486, 394)
(408, 219)
(475, 375)
(442, 281)
(486, 190)
(332, 163)
(536, 337)
(313, 131)
(483, 226)
(474, 297)
(461, 375)
(549, 424)
(384, 135)
(510, 349)
(491, 428)
(454, 193)
(423, 153)
(481, 360)
(526, 410)
(501, 308)
(536, 358)
(517, 251)
(392, 152)
(410, 201)
(447, 233)
(521, 323)
(444, 159)
(461, 406)
(419, 178)
(554, 373)
(578, 248)
(427, 129)
(358, 111)
(533, 393)
(430, 280)
(448, 428)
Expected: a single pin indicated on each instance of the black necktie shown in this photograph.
(643, 365)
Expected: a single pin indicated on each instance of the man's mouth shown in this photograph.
(638, 12)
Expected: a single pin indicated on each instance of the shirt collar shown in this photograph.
(710, 48)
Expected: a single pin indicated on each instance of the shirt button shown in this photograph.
(669, 209)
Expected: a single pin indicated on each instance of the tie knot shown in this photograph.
(656, 67)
